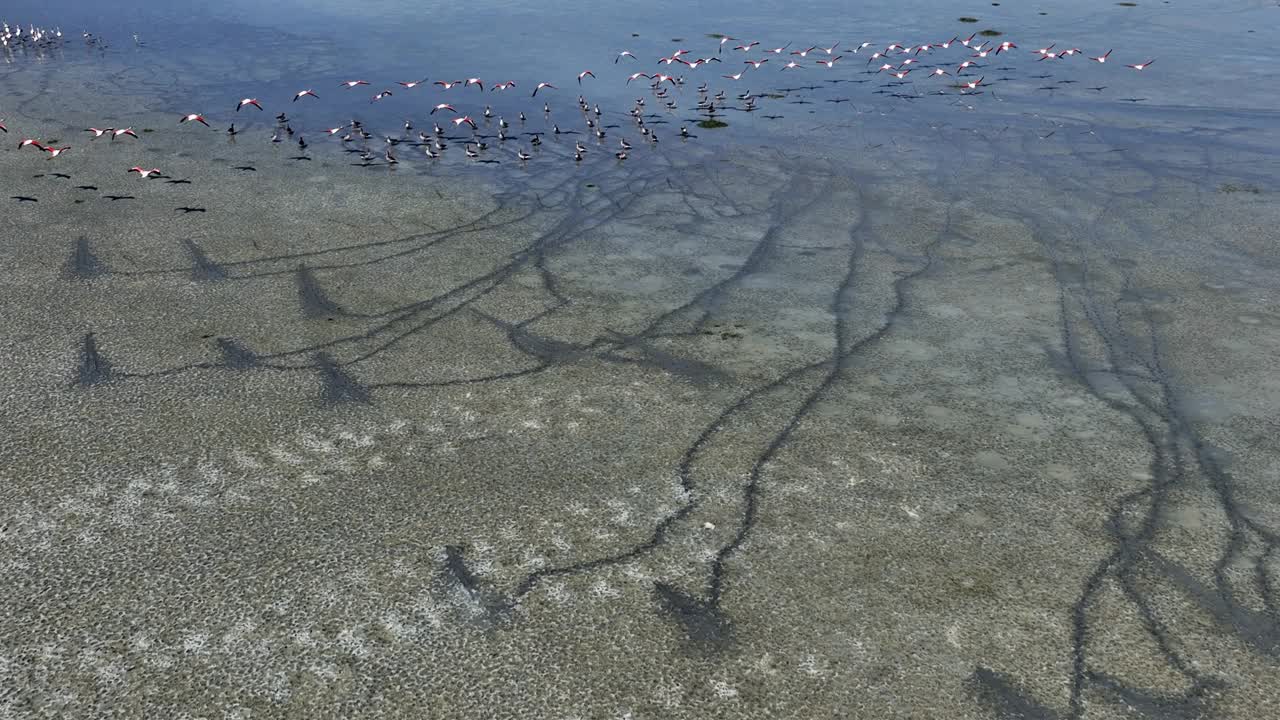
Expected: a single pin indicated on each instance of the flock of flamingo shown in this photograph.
(899, 64)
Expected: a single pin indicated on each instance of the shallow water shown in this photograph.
(878, 402)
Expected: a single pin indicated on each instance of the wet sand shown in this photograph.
(753, 434)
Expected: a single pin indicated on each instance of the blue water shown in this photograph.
(1211, 65)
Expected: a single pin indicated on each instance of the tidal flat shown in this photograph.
(874, 412)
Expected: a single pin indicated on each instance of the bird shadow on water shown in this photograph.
(83, 264)
(479, 604)
(703, 623)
